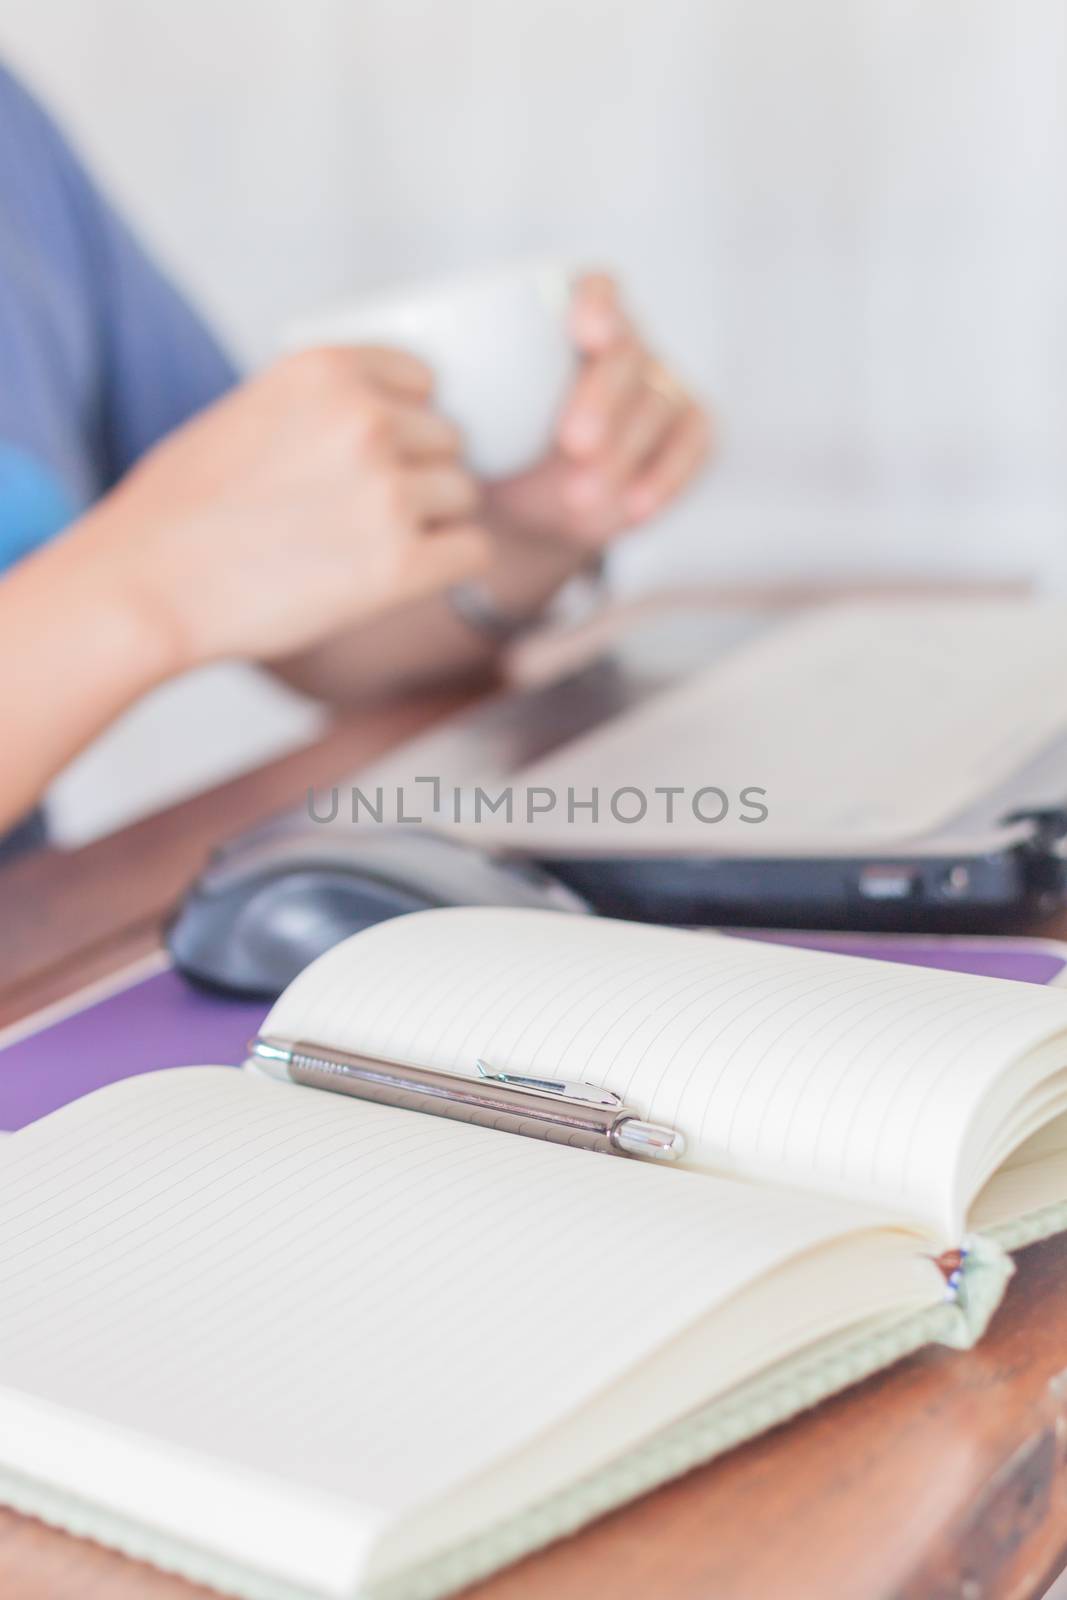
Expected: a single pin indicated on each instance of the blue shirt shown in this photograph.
(99, 354)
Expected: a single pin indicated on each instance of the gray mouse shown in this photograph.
(268, 904)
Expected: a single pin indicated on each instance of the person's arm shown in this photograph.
(300, 506)
(75, 651)
(630, 439)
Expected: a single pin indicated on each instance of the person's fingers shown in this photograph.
(597, 318)
(603, 392)
(643, 430)
(420, 434)
(395, 370)
(441, 493)
(677, 462)
(442, 557)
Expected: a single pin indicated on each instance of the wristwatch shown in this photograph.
(473, 602)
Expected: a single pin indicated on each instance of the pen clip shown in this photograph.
(584, 1093)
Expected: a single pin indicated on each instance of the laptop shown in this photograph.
(896, 764)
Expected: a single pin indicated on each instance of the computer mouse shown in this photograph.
(267, 905)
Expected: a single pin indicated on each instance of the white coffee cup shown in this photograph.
(499, 345)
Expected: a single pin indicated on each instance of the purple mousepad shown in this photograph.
(147, 1024)
(156, 1020)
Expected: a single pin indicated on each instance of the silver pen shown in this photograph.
(541, 1108)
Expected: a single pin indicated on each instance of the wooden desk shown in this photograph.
(945, 1477)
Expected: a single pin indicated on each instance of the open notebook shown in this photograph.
(299, 1346)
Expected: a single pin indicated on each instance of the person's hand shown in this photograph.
(313, 497)
(630, 436)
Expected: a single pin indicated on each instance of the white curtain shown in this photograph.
(844, 218)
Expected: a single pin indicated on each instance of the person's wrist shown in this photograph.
(522, 553)
(521, 585)
(124, 586)
(519, 523)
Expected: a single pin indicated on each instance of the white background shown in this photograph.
(846, 219)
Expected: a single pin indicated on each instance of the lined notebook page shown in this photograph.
(852, 1076)
(365, 1303)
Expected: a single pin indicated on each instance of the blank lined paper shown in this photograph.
(368, 1303)
(853, 1076)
